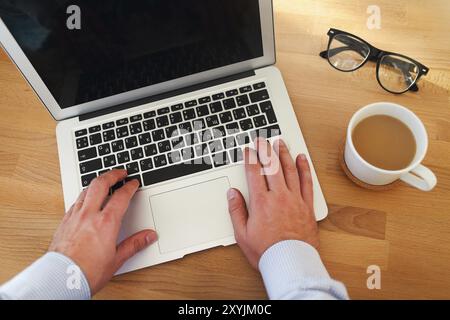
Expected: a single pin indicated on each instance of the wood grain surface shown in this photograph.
(404, 231)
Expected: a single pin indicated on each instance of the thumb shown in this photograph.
(132, 245)
(238, 212)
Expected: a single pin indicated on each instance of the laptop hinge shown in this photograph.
(166, 95)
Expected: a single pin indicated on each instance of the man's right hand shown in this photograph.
(280, 202)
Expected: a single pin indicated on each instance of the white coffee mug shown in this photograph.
(415, 174)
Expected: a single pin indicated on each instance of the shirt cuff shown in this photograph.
(292, 265)
(52, 277)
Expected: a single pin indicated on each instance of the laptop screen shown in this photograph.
(111, 47)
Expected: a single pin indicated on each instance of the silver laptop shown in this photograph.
(172, 91)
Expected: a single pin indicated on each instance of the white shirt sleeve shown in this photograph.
(52, 277)
(293, 269)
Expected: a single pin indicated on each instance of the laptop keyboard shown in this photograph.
(178, 140)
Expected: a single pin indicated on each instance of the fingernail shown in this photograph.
(231, 194)
(303, 157)
(150, 237)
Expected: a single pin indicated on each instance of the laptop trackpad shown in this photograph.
(191, 216)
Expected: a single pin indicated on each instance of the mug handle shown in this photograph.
(420, 177)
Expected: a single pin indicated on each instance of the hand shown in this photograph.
(280, 201)
(89, 230)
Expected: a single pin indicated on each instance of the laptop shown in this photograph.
(171, 91)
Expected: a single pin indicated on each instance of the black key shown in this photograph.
(104, 149)
(162, 111)
(226, 117)
(266, 133)
(242, 100)
(191, 139)
(220, 159)
(122, 132)
(176, 171)
(137, 153)
(206, 135)
(136, 177)
(95, 139)
(144, 138)
(218, 96)
(189, 104)
(171, 131)
(236, 155)
(259, 85)
(231, 93)
(150, 114)
(177, 107)
(90, 166)
(185, 127)
(146, 164)
(187, 153)
(135, 128)
(176, 118)
(160, 160)
(212, 121)
(131, 142)
(121, 122)
(80, 133)
(132, 168)
(243, 138)
(260, 121)
(117, 146)
(102, 172)
(87, 179)
(108, 125)
(82, 142)
(229, 142)
(158, 135)
(174, 157)
(123, 157)
(246, 124)
(109, 161)
(219, 132)
(136, 118)
(259, 95)
(202, 110)
(252, 110)
(149, 124)
(215, 146)
(87, 154)
(204, 100)
(232, 128)
(199, 124)
(216, 107)
(201, 149)
(189, 114)
(267, 108)
(162, 121)
(164, 146)
(109, 135)
(178, 143)
(239, 113)
(119, 167)
(150, 150)
(245, 89)
(94, 129)
(229, 103)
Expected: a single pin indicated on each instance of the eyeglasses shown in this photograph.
(396, 73)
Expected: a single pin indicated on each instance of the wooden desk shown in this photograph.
(404, 231)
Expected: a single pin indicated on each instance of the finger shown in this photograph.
(271, 165)
(238, 213)
(253, 172)
(79, 202)
(99, 188)
(132, 245)
(120, 200)
(287, 163)
(306, 185)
